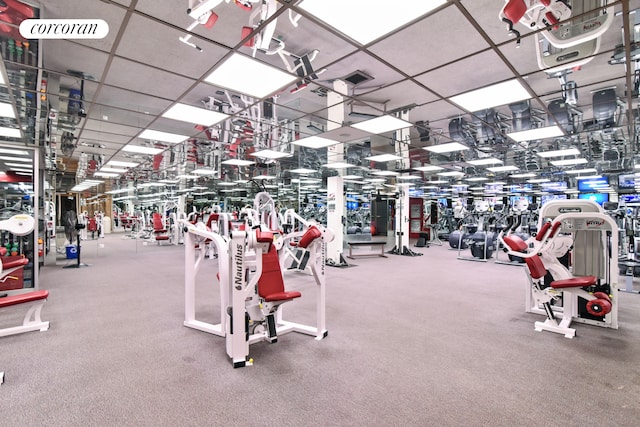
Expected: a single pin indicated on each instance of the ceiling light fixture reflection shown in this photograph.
(315, 142)
(428, 168)
(373, 21)
(237, 162)
(569, 162)
(559, 153)
(382, 124)
(503, 168)
(141, 150)
(195, 115)
(383, 158)
(271, 154)
(492, 96)
(535, 134)
(10, 132)
(122, 164)
(485, 161)
(446, 148)
(238, 73)
(156, 135)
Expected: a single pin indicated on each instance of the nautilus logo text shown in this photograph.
(64, 29)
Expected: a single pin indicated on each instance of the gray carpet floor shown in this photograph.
(413, 341)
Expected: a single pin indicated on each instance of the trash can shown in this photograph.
(72, 251)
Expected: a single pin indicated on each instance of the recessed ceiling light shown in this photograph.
(381, 124)
(485, 161)
(568, 162)
(271, 154)
(427, 168)
(446, 148)
(338, 165)
(503, 169)
(538, 180)
(523, 175)
(384, 173)
(373, 21)
(156, 135)
(264, 177)
(141, 150)
(535, 134)
(374, 180)
(14, 152)
(302, 171)
(408, 177)
(6, 110)
(238, 73)
(195, 115)
(492, 96)
(559, 153)
(314, 142)
(238, 162)
(113, 170)
(10, 132)
(477, 178)
(106, 174)
(451, 173)
(577, 171)
(204, 171)
(122, 164)
(383, 158)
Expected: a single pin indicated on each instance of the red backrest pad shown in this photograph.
(157, 221)
(514, 10)
(270, 281)
(515, 243)
(536, 267)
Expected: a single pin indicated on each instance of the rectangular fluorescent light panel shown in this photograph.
(16, 159)
(383, 158)
(156, 135)
(568, 162)
(485, 161)
(6, 110)
(523, 175)
(577, 171)
(14, 152)
(476, 178)
(535, 134)
(270, 154)
(382, 124)
(338, 165)
(302, 171)
(502, 169)
(195, 115)
(141, 150)
(122, 164)
(559, 153)
(408, 177)
(492, 96)
(314, 142)
(238, 162)
(10, 132)
(446, 148)
(204, 171)
(243, 74)
(451, 173)
(385, 173)
(373, 20)
(106, 174)
(428, 168)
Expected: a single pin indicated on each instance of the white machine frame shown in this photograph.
(240, 267)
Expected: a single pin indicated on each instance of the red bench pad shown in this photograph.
(575, 282)
(22, 298)
(15, 263)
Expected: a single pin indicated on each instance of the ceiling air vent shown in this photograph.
(357, 77)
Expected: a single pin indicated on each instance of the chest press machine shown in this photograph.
(591, 295)
(252, 287)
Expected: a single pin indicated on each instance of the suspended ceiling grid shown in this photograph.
(140, 69)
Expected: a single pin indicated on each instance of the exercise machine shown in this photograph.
(21, 225)
(251, 286)
(586, 290)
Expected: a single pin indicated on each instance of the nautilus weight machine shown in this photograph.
(251, 287)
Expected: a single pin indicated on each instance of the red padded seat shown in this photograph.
(271, 284)
(22, 298)
(575, 282)
(19, 262)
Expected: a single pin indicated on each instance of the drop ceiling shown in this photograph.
(141, 69)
